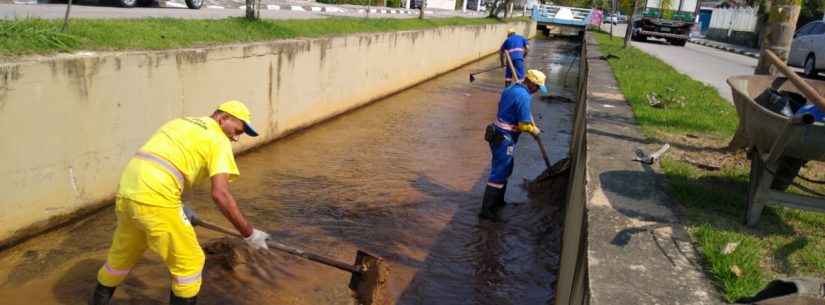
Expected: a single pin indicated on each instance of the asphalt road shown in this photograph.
(56, 11)
(701, 63)
(213, 9)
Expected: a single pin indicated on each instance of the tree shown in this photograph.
(778, 32)
(253, 9)
(66, 18)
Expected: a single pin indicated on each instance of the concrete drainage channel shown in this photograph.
(379, 178)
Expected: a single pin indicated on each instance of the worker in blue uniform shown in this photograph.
(516, 46)
(513, 118)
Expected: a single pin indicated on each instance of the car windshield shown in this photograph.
(806, 29)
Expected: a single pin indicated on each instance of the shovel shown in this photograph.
(369, 273)
(536, 185)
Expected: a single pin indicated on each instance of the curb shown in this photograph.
(724, 48)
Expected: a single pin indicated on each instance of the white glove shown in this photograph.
(257, 240)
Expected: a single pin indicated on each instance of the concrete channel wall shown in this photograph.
(72, 122)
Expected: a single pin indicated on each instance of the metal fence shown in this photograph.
(734, 19)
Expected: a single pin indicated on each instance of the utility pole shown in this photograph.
(780, 28)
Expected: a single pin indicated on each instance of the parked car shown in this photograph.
(808, 48)
(611, 19)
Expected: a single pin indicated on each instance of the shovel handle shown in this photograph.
(541, 148)
(284, 248)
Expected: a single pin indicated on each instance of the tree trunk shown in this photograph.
(253, 9)
(66, 18)
(782, 17)
(629, 27)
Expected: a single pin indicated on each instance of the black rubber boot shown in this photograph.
(102, 295)
(176, 300)
(500, 203)
(488, 204)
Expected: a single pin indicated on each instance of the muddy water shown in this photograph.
(401, 178)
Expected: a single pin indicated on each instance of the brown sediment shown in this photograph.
(552, 181)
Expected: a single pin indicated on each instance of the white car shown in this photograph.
(611, 19)
(808, 48)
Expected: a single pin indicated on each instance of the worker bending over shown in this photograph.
(516, 46)
(148, 202)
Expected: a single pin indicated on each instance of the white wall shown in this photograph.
(442, 4)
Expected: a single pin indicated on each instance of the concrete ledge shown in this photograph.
(638, 251)
(75, 120)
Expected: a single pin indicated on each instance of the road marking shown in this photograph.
(174, 4)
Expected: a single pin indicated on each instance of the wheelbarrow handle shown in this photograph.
(803, 86)
(281, 247)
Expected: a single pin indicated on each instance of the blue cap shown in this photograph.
(249, 131)
(544, 91)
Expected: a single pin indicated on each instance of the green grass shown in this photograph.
(785, 242)
(640, 74)
(37, 36)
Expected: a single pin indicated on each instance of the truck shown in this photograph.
(668, 19)
(561, 20)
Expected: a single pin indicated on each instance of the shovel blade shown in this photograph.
(369, 285)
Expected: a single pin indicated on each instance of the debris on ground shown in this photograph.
(643, 157)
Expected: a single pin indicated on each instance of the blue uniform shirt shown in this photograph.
(514, 105)
(515, 45)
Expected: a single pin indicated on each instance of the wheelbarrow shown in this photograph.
(770, 136)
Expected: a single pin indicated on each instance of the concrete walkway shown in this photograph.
(638, 250)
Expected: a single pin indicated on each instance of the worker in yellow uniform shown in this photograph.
(148, 205)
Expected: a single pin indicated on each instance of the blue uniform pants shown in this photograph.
(519, 65)
(502, 150)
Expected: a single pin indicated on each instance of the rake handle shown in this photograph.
(284, 248)
(486, 70)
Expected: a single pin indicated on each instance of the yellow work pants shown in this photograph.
(165, 231)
